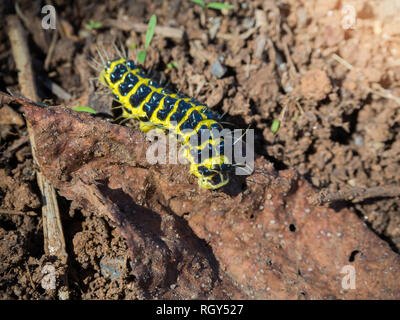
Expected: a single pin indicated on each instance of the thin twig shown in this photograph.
(356, 194)
(56, 89)
(30, 276)
(342, 61)
(17, 212)
(51, 50)
(126, 25)
(52, 229)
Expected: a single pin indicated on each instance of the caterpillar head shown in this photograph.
(114, 70)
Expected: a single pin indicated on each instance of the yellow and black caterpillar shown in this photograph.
(155, 107)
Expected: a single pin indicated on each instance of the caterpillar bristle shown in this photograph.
(106, 55)
(224, 114)
(121, 56)
(100, 56)
(228, 123)
(93, 60)
(94, 66)
(124, 55)
(125, 120)
(240, 138)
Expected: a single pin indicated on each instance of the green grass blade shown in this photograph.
(150, 30)
(199, 2)
(93, 25)
(84, 109)
(141, 57)
(275, 126)
(172, 64)
(219, 6)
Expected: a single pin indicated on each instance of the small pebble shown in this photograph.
(218, 70)
(358, 140)
(111, 268)
(248, 22)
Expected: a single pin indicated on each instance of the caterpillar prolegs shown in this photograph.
(155, 107)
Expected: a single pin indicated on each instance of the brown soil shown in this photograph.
(339, 129)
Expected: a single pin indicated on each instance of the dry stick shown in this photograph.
(126, 25)
(51, 51)
(16, 212)
(356, 194)
(52, 229)
(56, 89)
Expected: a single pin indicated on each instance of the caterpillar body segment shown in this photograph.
(155, 107)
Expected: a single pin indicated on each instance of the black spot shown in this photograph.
(180, 112)
(211, 115)
(199, 155)
(142, 74)
(195, 102)
(196, 154)
(192, 121)
(129, 82)
(299, 272)
(216, 126)
(353, 255)
(225, 166)
(292, 228)
(183, 107)
(217, 179)
(221, 147)
(205, 171)
(141, 93)
(203, 134)
(152, 104)
(118, 72)
(166, 91)
(163, 113)
(128, 110)
(154, 84)
(180, 95)
(209, 150)
(130, 64)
